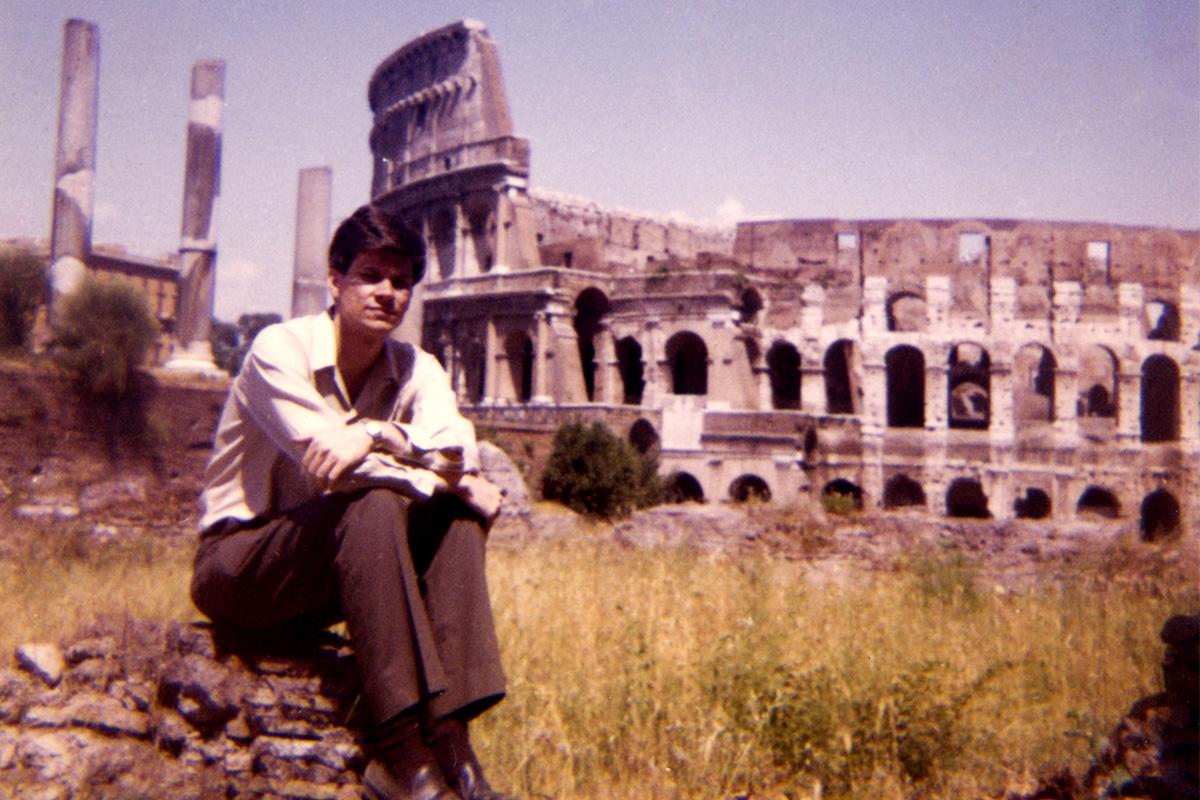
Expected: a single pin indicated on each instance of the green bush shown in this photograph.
(230, 342)
(103, 333)
(22, 287)
(595, 472)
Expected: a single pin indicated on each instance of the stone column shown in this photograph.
(312, 240)
(541, 365)
(198, 239)
(75, 158)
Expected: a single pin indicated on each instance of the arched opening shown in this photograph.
(688, 357)
(1034, 504)
(750, 304)
(473, 372)
(969, 387)
(629, 364)
(783, 363)
(1160, 516)
(1033, 384)
(839, 382)
(590, 307)
(1160, 399)
(841, 496)
(441, 235)
(748, 488)
(1162, 321)
(682, 487)
(643, 437)
(1100, 502)
(965, 498)
(905, 367)
(901, 491)
(1097, 383)
(906, 312)
(519, 350)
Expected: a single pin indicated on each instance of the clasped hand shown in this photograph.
(332, 451)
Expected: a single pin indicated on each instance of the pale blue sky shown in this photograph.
(740, 110)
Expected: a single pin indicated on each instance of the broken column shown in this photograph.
(75, 158)
(312, 238)
(198, 240)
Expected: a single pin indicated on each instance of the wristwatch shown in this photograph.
(374, 429)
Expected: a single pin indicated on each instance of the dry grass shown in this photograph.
(667, 674)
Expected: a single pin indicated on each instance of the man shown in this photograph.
(343, 484)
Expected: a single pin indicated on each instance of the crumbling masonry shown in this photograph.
(970, 367)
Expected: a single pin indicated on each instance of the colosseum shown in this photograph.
(968, 367)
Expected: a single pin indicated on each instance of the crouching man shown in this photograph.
(343, 485)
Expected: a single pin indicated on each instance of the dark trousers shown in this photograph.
(407, 576)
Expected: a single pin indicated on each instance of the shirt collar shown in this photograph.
(325, 349)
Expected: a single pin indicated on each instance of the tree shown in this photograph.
(22, 288)
(230, 342)
(593, 471)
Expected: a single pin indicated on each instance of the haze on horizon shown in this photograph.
(716, 112)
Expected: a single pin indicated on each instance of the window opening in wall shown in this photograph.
(751, 303)
(1162, 321)
(1160, 516)
(905, 366)
(901, 491)
(906, 312)
(1098, 383)
(839, 385)
(519, 350)
(965, 498)
(847, 242)
(841, 496)
(590, 307)
(1034, 504)
(1034, 370)
(567, 258)
(682, 487)
(1099, 256)
(474, 372)
(783, 363)
(643, 437)
(688, 356)
(1160, 399)
(810, 446)
(749, 488)
(969, 387)
(972, 248)
(1100, 502)
(629, 361)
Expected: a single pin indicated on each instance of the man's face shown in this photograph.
(372, 296)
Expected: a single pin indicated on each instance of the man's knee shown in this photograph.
(375, 518)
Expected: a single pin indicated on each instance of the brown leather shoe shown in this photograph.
(425, 783)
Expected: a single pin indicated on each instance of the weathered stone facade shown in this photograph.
(970, 367)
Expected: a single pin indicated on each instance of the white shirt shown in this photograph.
(289, 387)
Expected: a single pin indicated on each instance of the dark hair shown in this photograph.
(369, 228)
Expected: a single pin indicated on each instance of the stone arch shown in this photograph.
(839, 378)
(1160, 399)
(906, 312)
(750, 303)
(688, 356)
(519, 350)
(1034, 504)
(749, 487)
(682, 487)
(901, 491)
(1034, 370)
(632, 370)
(783, 364)
(590, 307)
(839, 488)
(1098, 382)
(1162, 321)
(643, 436)
(969, 387)
(441, 237)
(1160, 517)
(965, 498)
(1099, 501)
(905, 366)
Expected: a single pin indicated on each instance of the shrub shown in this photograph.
(230, 342)
(104, 332)
(595, 472)
(22, 287)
